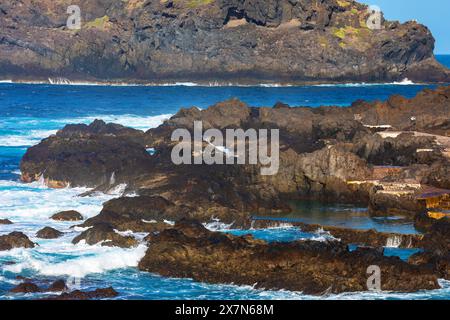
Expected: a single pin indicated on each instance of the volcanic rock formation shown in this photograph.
(211, 41)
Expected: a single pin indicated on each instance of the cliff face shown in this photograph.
(211, 40)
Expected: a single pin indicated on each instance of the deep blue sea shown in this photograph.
(30, 112)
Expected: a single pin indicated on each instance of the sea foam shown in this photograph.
(79, 260)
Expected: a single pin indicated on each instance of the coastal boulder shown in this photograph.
(57, 286)
(96, 155)
(104, 293)
(26, 287)
(139, 214)
(48, 233)
(15, 240)
(70, 215)
(106, 235)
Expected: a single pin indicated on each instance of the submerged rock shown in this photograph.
(58, 286)
(70, 215)
(26, 287)
(104, 293)
(106, 235)
(15, 240)
(49, 233)
(190, 250)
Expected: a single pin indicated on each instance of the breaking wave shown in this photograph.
(66, 259)
(23, 135)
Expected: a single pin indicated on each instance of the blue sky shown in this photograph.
(435, 14)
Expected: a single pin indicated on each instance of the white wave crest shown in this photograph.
(96, 259)
(128, 120)
(404, 82)
(27, 138)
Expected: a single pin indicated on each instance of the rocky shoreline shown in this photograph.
(391, 157)
(208, 41)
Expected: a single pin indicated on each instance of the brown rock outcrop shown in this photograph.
(189, 250)
(106, 235)
(70, 215)
(15, 240)
(48, 233)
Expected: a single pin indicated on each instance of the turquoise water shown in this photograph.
(29, 113)
(345, 216)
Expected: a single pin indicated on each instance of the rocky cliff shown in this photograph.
(243, 41)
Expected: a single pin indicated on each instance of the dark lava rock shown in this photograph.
(88, 295)
(437, 238)
(70, 215)
(57, 286)
(15, 240)
(26, 287)
(113, 153)
(140, 214)
(398, 151)
(394, 204)
(190, 250)
(49, 233)
(5, 221)
(321, 158)
(105, 233)
(245, 41)
(423, 222)
(436, 243)
(440, 264)
(438, 174)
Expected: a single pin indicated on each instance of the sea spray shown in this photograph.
(394, 241)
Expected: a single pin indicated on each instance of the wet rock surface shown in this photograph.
(190, 250)
(57, 286)
(103, 293)
(15, 240)
(140, 214)
(113, 152)
(106, 235)
(26, 287)
(249, 41)
(49, 233)
(70, 215)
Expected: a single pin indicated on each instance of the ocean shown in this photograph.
(30, 112)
